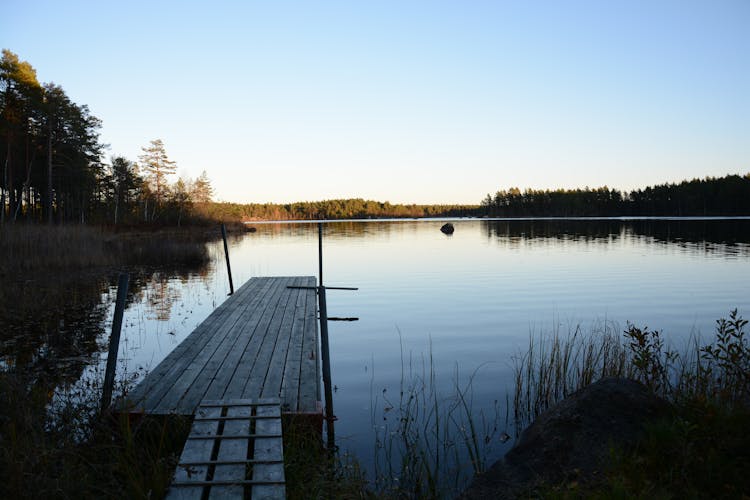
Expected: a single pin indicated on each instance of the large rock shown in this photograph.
(572, 440)
(447, 228)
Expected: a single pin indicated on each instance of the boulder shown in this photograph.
(447, 228)
(572, 440)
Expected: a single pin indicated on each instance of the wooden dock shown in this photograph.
(262, 342)
(234, 450)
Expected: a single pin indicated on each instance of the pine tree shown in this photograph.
(157, 166)
(202, 190)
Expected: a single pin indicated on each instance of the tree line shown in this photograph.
(728, 195)
(353, 208)
(53, 168)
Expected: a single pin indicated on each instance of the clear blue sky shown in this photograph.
(405, 101)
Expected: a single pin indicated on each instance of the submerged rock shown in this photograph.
(447, 228)
(572, 440)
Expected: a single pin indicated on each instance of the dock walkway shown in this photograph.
(262, 342)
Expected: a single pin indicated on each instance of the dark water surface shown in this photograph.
(469, 300)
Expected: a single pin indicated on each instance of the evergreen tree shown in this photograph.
(202, 191)
(157, 166)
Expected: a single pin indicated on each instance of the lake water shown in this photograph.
(469, 300)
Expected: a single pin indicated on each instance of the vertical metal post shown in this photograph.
(326, 366)
(320, 254)
(114, 340)
(226, 254)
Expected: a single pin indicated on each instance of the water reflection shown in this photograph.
(54, 329)
(724, 237)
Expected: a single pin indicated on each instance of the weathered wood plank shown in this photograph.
(233, 450)
(261, 342)
(309, 391)
(268, 449)
(254, 386)
(277, 364)
(187, 389)
(207, 371)
(290, 384)
(247, 333)
(150, 391)
(204, 329)
(248, 362)
(195, 451)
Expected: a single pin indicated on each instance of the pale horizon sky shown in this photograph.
(419, 101)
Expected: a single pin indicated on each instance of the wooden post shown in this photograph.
(114, 340)
(326, 366)
(226, 254)
(320, 254)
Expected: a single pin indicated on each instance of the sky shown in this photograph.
(405, 101)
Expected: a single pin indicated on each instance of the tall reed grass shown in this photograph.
(555, 365)
(428, 444)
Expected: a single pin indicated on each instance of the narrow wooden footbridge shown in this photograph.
(253, 359)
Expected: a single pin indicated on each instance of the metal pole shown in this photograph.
(326, 366)
(114, 340)
(226, 254)
(320, 253)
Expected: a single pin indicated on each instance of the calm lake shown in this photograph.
(469, 301)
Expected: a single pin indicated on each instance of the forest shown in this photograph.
(712, 196)
(53, 167)
(54, 171)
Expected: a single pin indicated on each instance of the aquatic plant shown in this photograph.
(428, 445)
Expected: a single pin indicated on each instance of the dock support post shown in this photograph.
(325, 354)
(114, 341)
(320, 254)
(226, 255)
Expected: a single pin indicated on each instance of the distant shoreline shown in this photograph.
(623, 218)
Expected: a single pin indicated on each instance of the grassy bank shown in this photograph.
(30, 248)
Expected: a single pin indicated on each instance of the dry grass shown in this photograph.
(30, 248)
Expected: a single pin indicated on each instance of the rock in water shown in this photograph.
(447, 228)
(572, 437)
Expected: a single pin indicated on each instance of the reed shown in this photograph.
(556, 365)
(429, 445)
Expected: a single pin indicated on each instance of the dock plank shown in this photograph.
(158, 381)
(261, 342)
(195, 451)
(246, 361)
(309, 387)
(233, 450)
(272, 385)
(252, 330)
(222, 362)
(290, 391)
(278, 333)
(235, 447)
(268, 449)
(192, 370)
